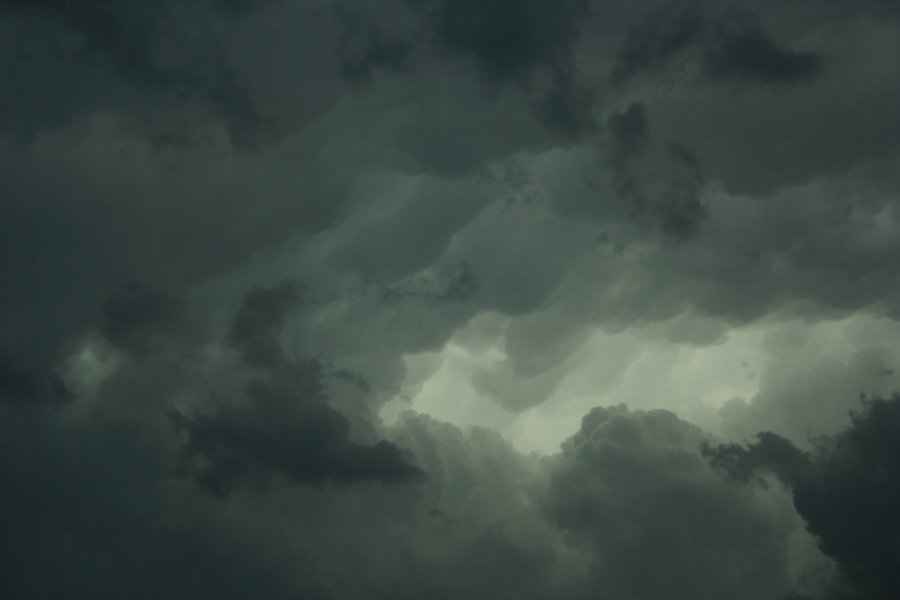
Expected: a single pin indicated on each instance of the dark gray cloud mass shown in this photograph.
(124, 51)
(731, 45)
(251, 250)
(847, 491)
(666, 188)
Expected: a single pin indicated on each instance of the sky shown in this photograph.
(540, 299)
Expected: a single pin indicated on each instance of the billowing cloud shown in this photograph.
(282, 422)
(846, 492)
(291, 290)
(291, 432)
(633, 488)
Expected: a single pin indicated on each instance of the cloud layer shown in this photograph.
(249, 246)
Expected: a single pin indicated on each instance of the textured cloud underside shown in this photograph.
(291, 288)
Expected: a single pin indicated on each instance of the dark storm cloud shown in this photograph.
(287, 429)
(634, 489)
(128, 511)
(629, 486)
(364, 48)
(741, 48)
(847, 491)
(769, 451)
(283, 423)
(375, 52)
(665, 189)
(565, 109)
(15, 382)
(28, 385)
(507, 40)
(527, 44)
(149, 48)
(629, 131)
(90, 501)
(792, 68)
(530, 43)
(680, 209)
(257, 325)
(657, 37)
(136, 317)
(109, 208)
(732, 45)
(446, 196)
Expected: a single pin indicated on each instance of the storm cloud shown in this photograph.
(449, 299)
(846, 491)
(731, 45)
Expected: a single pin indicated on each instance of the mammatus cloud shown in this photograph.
(250, 250)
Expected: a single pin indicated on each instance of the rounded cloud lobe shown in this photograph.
(236, 235)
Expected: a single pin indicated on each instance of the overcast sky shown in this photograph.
(454, 299)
